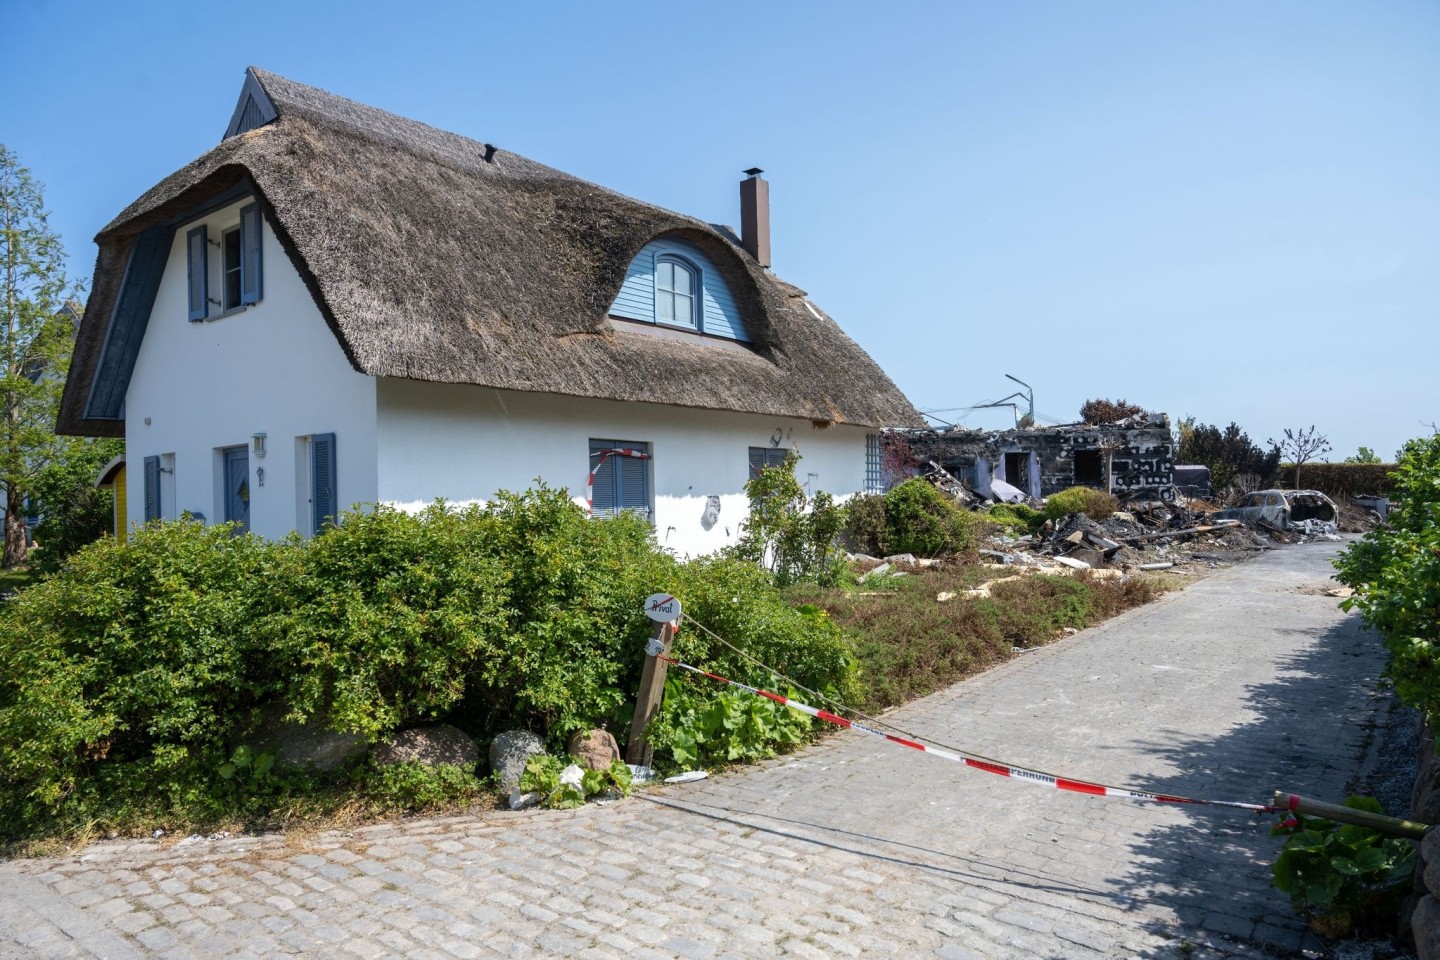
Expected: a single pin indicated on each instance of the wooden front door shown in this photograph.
(237, 488)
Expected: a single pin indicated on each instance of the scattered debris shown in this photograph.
(688, 776)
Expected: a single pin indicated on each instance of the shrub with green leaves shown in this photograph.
(1095, 504)
(1395, 572)
(922, 520)
(138, 657)
(383, 617)
(865, 524)
(792, 534)
(1341, 877)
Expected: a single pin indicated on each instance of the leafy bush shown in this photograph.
(792, 534)
(1395, 572)
(1339, 877)
(137, 657)
(865, 524)
(920, 519)
(384, 616)
(1095, 504)
(1016, 517)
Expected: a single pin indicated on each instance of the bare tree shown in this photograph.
(1301, 446)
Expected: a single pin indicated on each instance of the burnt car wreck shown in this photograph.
(1130, 458)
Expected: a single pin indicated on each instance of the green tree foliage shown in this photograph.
(1364, 455)
(1100, 412)
(1230, 454)
(72, 510)
(1395, 572)
(792, 534)
(36, 335)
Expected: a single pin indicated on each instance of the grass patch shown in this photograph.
(908, 644)
(16, 579)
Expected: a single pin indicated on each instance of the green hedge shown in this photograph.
(1395, 571)
(1342, 480)
(127, 678)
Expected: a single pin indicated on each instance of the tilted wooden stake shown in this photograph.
(1391, 826)
(652, 689)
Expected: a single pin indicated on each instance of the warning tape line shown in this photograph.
(987, 766)
(606, 455)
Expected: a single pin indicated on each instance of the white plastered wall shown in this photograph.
(273, 368)
(463, 443)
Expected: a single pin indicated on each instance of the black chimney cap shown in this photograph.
(754, 172)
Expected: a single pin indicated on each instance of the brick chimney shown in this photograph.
(755, 215)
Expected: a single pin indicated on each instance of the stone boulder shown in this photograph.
(302, 746)
(594, 749)
(439, 746)
(508, 753)
(1425, 923)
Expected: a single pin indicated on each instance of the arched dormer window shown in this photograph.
(672, 284)
(676, 284)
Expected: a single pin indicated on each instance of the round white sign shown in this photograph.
(662, 608)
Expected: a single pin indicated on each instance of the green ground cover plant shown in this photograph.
(1344, 877)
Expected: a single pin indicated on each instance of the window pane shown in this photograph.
(684, 279)
(684, 310)
(665, 275)
(665, 306)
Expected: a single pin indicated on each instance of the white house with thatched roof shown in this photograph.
(340, 306)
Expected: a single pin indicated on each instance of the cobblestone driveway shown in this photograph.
(1238, 685)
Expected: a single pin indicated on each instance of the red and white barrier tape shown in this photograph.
(988, 766)
(606, 455)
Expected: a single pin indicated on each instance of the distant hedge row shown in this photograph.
(1343, 480)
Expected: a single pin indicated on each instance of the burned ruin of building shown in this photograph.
(1128, 458)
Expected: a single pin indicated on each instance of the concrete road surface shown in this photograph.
(1240, 684)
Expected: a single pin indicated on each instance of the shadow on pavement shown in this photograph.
(1312, 728)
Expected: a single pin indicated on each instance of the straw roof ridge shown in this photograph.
(435, 257)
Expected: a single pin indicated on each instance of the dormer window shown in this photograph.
(676, 285)
(671, 283)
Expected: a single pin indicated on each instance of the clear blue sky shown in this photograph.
(1226, 210)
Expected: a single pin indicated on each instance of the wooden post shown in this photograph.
(652, 689)
(1391, 826)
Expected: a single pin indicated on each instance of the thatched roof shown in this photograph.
(435, 257)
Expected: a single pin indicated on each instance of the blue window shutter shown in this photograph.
(602, 493)
(633, 475)
(763, 457)
(322, 480)
(152, 489)
(250, 266)
(197, 263)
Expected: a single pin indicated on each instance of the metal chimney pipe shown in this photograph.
(755, 216)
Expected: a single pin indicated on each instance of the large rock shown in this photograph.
(303, 746)
(1425, 799)
(508, 753)
(595, 749)
(1426, 926)
(438, 746)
